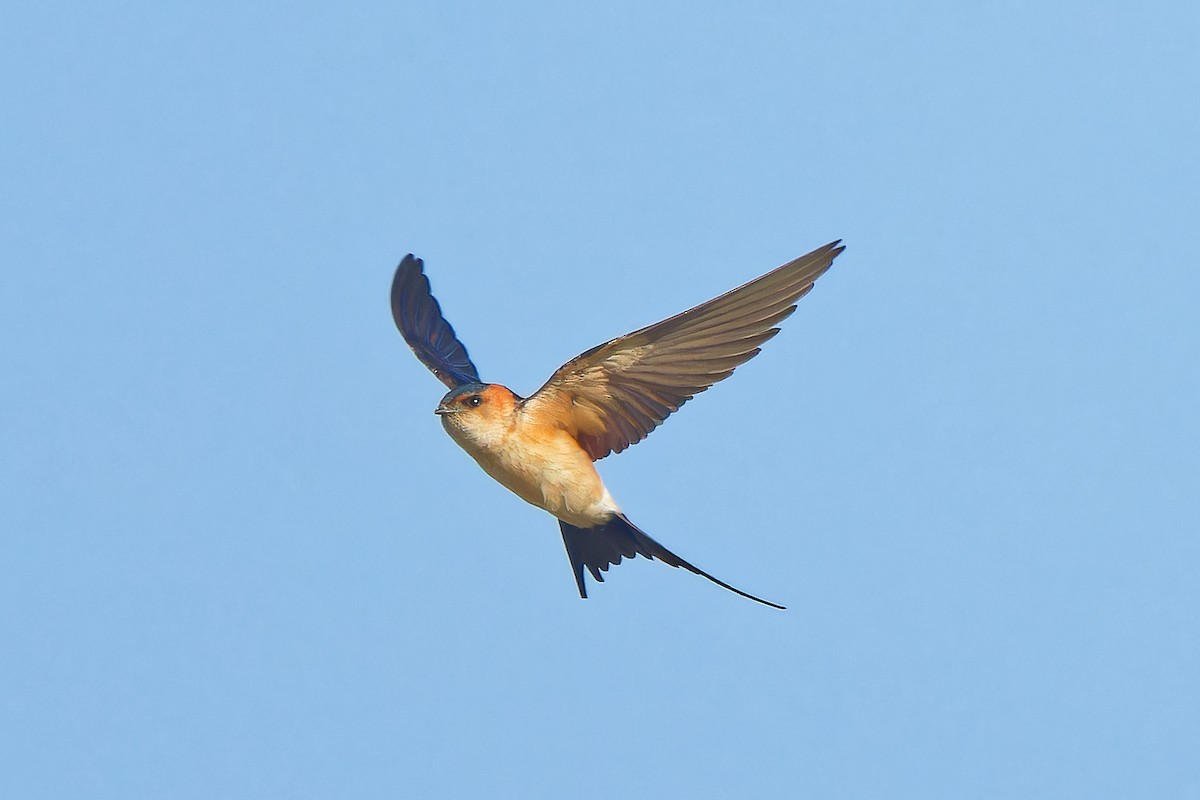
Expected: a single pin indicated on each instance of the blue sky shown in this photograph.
(240, 558)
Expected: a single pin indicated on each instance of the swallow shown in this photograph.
(543, 447)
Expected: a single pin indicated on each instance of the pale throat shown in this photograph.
(546, 468)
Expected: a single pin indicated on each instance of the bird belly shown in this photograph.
(553, 473)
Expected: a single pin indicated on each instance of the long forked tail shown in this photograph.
(605, 545)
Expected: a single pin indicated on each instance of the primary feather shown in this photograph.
(419, 318)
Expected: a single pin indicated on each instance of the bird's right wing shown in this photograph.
(420, 320)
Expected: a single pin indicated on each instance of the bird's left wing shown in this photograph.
(613, 395)
(420, 320)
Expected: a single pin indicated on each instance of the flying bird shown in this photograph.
(542, 447)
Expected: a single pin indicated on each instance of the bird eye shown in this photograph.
(474, 401)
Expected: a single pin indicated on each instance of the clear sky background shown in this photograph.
(241, 559)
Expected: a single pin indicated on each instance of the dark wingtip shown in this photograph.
(400, 279)
(420, 321)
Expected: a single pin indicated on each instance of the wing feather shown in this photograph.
(419, 318)
(613, 395)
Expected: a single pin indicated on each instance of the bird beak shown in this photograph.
(443, 410)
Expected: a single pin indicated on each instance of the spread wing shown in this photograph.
(613, 395)
(420, 320)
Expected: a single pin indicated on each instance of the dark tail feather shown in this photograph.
(605, 545)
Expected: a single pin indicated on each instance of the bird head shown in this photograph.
(479, 414)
